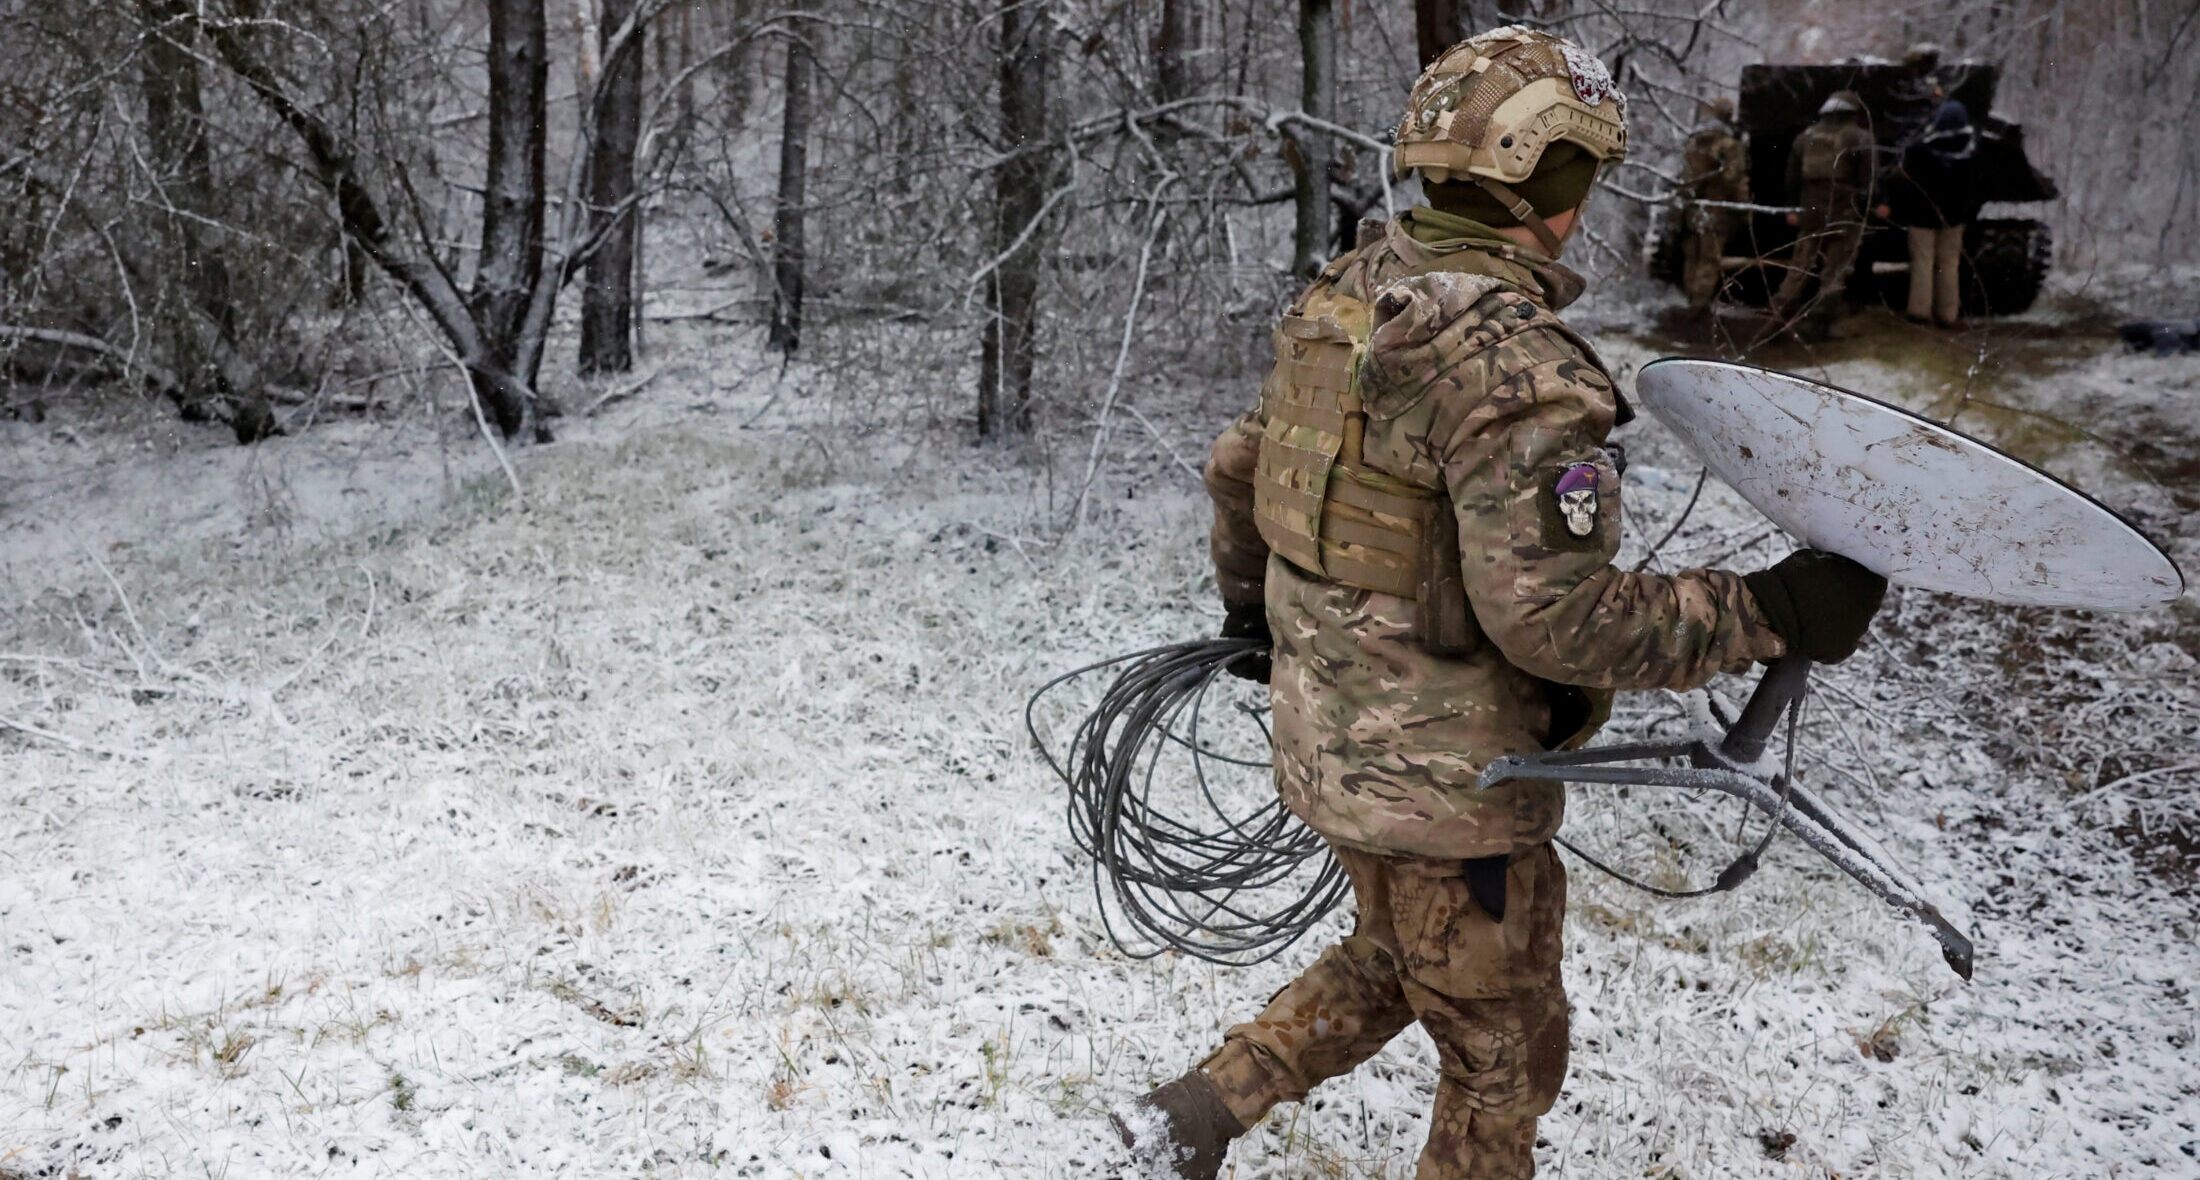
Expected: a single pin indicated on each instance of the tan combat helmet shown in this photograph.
(1486, 110)
(1842, 102)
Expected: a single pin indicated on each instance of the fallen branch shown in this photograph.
(620, 393)
(163, 381)
(48, 735)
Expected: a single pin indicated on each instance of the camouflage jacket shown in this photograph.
(1473, 385)
(1715, 166)
(1836, 152)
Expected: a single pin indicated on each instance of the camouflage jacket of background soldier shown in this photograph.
(1471, 384)
(1714, 166)
(1835, 152)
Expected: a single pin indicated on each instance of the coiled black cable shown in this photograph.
(1220, 893)
(1234, 889)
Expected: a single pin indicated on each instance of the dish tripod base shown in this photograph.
(1732, 767)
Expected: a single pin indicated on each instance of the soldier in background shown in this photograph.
(1916, 94)
(1830, 171)
(1935, 194)
(1421, 517)
(1714, 167)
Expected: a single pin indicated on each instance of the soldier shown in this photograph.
(1936, 193)
(1715, 167)
(1422, 516)
(1915, 94)
(1830, 176)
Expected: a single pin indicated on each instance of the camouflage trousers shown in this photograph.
(1828, 233)
(1488, 992)
(1702, 254)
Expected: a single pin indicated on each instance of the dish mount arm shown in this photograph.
(1733, 766)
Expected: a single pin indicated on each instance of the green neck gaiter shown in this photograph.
(1443, 231)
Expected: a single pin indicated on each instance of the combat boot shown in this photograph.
(1180, 1131)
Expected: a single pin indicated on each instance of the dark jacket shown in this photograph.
(1937, 182)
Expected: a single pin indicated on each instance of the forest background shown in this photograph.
(259, 211)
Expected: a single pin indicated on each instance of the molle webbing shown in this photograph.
(1310, 402)
(1373, 528)
(1315, 502)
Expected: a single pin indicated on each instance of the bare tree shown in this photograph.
(787, 220)
(607, 290)
(1172, 44)
(496, 328)
(1436, 27)
(217, 378)
(1310, 154)
(1019, 202)
(512, 201)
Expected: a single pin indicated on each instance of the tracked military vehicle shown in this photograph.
(2005, 259)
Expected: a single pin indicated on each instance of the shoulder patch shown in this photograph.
(1574, 504)
(1576, 492)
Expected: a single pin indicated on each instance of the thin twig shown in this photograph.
(163, 381)
(1190, 470)
(366, 624)
(2138, 776)
(474, 403)
(490, 436)
(1122, 356)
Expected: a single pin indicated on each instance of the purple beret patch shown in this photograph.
(1577, 498)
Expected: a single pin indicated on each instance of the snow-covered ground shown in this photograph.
(675, 817)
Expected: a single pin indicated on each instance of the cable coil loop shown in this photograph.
(1219, 886)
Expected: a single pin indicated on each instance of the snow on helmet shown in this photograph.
(1842, 102)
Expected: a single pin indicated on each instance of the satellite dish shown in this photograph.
(1917, 502)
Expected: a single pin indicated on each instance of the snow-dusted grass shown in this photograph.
(677, 818)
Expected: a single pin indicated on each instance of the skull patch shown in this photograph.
(1577, 498)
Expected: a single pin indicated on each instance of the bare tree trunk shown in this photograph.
(794, 165)
(217, 379)
(1019, 196)
(736, 75)
(1310, 151)
(675, 51)
(906, 133)
(607, 290)
(1172, 43)
(512, 202)
(427, 279)
(1436, 27)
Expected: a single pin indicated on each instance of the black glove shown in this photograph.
(1249, 622)
(1820, 603)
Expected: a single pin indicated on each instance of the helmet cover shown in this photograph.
(1489, 106)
